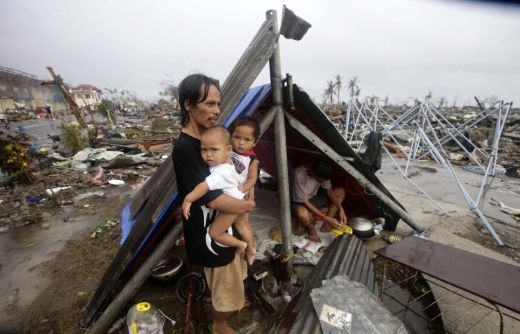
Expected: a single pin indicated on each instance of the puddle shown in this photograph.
(25, 249)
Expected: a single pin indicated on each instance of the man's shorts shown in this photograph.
(321, 200)
(227, 284)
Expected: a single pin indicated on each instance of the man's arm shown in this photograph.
(331, 221)
(337, 203)
(228, 204)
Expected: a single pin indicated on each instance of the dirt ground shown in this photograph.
(56, 263)
(56, 276)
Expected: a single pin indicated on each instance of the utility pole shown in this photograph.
(58, 81)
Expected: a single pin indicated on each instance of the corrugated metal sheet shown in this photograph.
(346, 256)
(248, 67)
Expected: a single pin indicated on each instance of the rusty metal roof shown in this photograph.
(346, 256)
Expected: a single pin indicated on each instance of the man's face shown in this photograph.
(205, 114)
(319, 179)
(214, 150)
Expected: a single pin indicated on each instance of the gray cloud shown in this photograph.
(398, 48)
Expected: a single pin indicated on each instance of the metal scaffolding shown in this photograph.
(431, 131)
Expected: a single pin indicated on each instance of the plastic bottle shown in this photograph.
(144, 318)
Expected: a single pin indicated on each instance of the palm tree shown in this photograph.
(330, 91)
(353, 87)
(338, 85)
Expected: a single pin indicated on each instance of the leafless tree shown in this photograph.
(455, 100)
(171, 91)
(442, 102)
(490, 101)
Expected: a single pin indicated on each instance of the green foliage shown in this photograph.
(15, 159)
(92, 134)
(71, 138)
(106, 108)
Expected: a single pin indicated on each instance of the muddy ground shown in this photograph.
(56, 260)
(55, 253)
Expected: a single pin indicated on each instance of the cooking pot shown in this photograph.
(167, 268)
(362, 227)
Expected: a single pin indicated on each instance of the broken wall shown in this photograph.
(23, 88)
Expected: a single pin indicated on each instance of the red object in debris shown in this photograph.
(180, 241)
(324, 211)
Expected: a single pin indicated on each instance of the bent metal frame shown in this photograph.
(426, 141)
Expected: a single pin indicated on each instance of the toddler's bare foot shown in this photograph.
(250, 255)
(241, 247)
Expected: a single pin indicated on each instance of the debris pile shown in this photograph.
(42, 176)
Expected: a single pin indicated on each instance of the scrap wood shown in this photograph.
(505, 208)
(509, 210)
(393, 148)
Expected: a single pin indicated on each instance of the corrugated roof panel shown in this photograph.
(345, 256)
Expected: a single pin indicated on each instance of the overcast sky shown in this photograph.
(397, 48)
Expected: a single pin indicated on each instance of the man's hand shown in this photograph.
(241, 188)
(186, 209)
(342, 216)
(333, 222)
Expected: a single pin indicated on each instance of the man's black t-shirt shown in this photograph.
(190, 170)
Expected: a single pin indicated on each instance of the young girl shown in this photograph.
(245, 132)
(227, 173)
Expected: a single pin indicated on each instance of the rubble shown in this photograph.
(129, 154)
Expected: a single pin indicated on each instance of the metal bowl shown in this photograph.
(167, 268)
(362, 227)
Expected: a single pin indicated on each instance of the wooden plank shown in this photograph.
(496, 281)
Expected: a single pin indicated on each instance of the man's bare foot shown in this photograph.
(250, 255)
(221, 329)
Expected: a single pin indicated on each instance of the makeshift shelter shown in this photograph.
(151, 220)
(152, 211)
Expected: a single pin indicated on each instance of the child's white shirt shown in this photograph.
(225, 177)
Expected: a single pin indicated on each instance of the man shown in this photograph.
(199, 98)
(307, 181)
